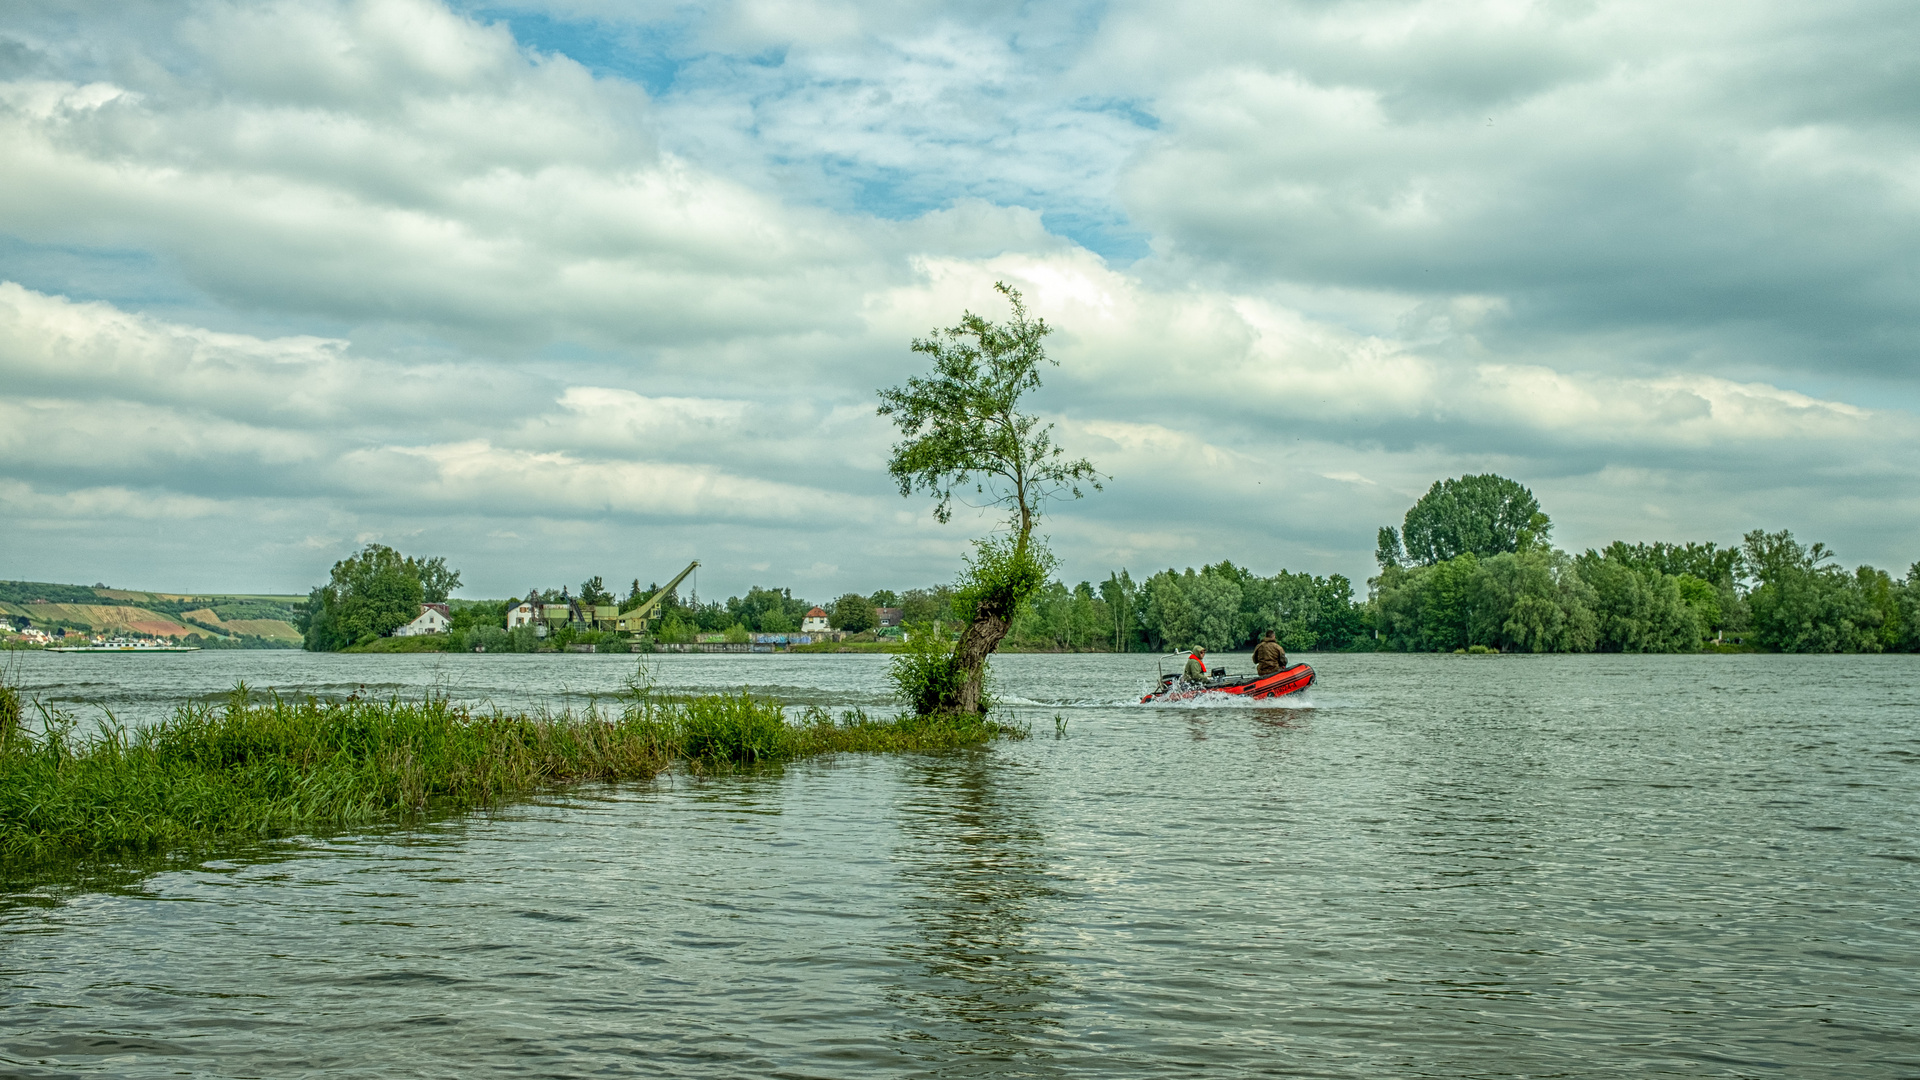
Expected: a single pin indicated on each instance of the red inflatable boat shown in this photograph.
(1279, 684)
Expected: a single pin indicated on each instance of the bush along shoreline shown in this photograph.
(257, 768)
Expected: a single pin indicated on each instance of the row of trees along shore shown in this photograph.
(1472, 567)
(1475, 574)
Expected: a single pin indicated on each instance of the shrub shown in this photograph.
(927, 674)
(731, 730)
(489, 638)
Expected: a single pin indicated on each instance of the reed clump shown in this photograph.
(257, 769)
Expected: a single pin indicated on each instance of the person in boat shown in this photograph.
(1268, 656)
(1196, 665)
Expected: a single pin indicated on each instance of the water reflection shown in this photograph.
(1270, 722)
(972, 861)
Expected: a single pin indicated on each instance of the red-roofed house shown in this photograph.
(815, 622)
(431, 620)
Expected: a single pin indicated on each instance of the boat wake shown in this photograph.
(1200, 701)
(1225, 701)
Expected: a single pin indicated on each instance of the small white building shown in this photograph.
(433, 619)
(523, 615)
(815, 621)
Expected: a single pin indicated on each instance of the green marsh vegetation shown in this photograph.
(260, 767)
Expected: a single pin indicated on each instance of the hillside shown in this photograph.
(229, 620)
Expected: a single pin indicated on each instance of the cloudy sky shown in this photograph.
(596, 287)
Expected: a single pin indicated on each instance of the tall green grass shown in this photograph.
(256, 769)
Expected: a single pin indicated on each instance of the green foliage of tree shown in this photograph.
(1214, 601)
(1657, 597)
(465, 615)
(1483, 515)
(926, 605)
(1708, 562)
(885, 598)
(1638, 610)
(1881, 594)
(1387, 550)
(1533, 601)
(593, 592)
(1169, 618)
(33, 592)
(770, 611)
(676, 630)
(1305, 612)
(1701, 596)
(1056, 617)
(963, 427)
(1906, 636)
(1429, 608)
(1224, 606)
(369, 595)
(437, 582)
(1118, 593)
(1528, 601)
(1803, 603)
(852, 613)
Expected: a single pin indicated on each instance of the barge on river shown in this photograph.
(124, 645)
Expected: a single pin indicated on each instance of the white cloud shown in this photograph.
(28, 508)
(377, 269)
(479, 477)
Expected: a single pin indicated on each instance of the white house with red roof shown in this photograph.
(433, 619)
(815, 622)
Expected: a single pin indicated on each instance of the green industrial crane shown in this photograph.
(638, 616)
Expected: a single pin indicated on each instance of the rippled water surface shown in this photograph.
(1434, 866)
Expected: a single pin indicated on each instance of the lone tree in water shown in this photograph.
(961, 427)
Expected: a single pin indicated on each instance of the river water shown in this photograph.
(1430, 866)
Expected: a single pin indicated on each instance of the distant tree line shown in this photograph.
(1471, 565)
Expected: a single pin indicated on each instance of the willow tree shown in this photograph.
(963, 433)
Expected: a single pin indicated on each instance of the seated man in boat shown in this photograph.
(1268, 656)
(1196, 665)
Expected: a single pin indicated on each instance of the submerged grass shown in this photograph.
(257, 769)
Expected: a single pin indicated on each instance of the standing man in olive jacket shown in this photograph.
(1268, 656)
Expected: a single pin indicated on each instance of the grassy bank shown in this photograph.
(423, 643)
(849, 647)
(255, 769)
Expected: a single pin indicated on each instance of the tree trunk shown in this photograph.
(992, 618)
(978, 640)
